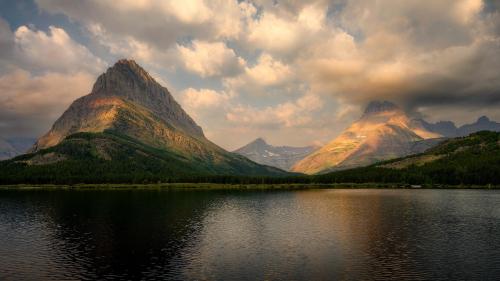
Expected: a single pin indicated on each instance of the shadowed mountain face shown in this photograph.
(383, 132)
(130, 119)
(283, 157)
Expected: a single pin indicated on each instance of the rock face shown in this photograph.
(283, 157)
(383, 132)
(127, 101)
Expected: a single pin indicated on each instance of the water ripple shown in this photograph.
(221, 235)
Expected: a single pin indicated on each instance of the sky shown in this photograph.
(294, 72)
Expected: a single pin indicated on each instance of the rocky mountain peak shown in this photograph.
(259, 141)
(127, 62)
(483, 119)
(131, 68)
(375, 107)
(126, 79)
(282, 157)
(384, 131)
(483, 123)
(123, 74)
(124, 98)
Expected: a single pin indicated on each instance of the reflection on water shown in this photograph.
(236, 235)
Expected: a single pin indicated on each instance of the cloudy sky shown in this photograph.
(294, 72)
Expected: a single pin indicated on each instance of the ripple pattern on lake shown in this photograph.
(250, 235)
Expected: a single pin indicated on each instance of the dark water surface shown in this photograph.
(250, 235)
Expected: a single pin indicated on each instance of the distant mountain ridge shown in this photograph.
(283, 157)
(449, 129)
(12, 147)
(126, 117)
(7, 150)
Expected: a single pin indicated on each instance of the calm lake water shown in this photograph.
(250, 235)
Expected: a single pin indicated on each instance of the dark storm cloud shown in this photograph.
(417, 53)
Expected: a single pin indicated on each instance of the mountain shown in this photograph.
(383, 132)
(14, 146)
(109, 157)
(127, 99)
(482, 124)
(449, 129)
(471, 160)
(282, 157)
(444, 128)
(21, 144)
(7, 150)
(131, 120)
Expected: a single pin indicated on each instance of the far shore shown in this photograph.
(217, 186)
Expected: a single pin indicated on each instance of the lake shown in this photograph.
(337, 234)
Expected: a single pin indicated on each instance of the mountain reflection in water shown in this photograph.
(250, 235)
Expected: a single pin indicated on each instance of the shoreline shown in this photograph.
(218, 186)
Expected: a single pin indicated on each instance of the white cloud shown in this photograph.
(122, 45)
(159, 23)
(284, 34)
(196, 99)
(187, 11)
(29, 104)
(273, 33)
(289, 114)
(312, 18)
(222, 18)
(466, 10)
(53, 50)
(268, 71)
(210, 59)
(41, 73)
(256, 80)
(22, 91)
